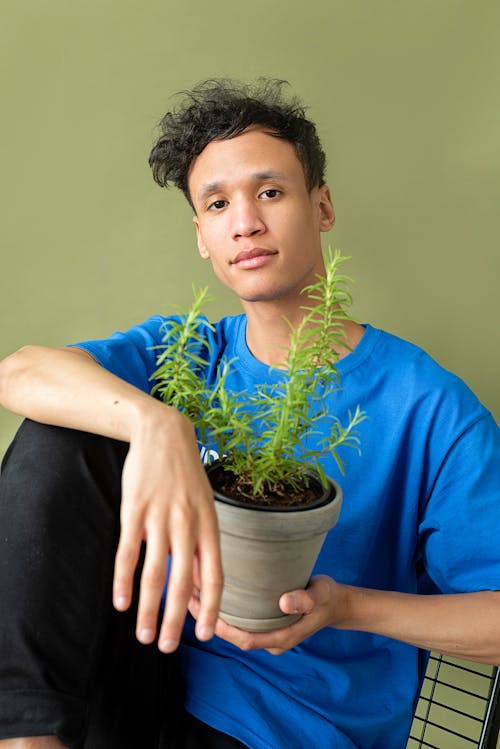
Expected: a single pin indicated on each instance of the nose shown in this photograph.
(247, 220)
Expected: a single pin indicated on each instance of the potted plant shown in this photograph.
(273, 500)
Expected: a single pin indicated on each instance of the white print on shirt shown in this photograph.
(207, 455)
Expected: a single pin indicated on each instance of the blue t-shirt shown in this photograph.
(419, 505)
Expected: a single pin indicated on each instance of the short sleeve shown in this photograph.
(459, 526)
(130, 355)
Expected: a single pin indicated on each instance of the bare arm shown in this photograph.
(66, 387)
(463, 625)
(166, 497)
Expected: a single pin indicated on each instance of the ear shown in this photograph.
(326, 212)
(201, 245)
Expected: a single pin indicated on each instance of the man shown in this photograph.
(419, 504)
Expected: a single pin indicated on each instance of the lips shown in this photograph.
(252, 254)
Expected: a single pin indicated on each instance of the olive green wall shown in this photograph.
(405, 96)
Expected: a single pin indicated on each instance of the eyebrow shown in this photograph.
(211, 187)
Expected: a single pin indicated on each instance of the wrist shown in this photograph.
(153, 419)
(349, 608)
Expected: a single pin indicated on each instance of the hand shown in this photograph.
(167, 502)
(317, 604)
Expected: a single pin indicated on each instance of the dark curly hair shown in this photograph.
(218, 109)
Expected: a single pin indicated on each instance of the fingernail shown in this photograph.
(121, 602)
(205, 632)
(146, 635)
(167, 646)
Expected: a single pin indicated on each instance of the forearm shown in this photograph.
(166, 498)
(65, 387)
(463, 625)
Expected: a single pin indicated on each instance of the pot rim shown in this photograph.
(327, 496)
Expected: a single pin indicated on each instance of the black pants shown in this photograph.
(69, 663)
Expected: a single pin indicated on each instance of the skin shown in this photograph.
(248, 192)
(163, 454)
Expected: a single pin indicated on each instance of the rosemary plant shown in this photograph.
(264, 437)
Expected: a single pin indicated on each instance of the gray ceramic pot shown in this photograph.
(266, 553)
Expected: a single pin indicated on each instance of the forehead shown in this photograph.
(255, 154)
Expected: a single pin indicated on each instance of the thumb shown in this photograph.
(304, 601)
(297, 602)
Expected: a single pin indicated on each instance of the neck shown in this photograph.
(268, 332)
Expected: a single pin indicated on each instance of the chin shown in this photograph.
(262, 289)
(268, 295)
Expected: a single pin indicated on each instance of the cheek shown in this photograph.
(221, 273)
(297, 219)
(214, 252)
(212, 240)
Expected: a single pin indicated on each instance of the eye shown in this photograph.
(217, 205)
(272, 192)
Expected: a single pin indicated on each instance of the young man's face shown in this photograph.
(255, 218)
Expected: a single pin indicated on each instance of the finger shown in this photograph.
(318, 593)
(211, 582)
(275, 651)
(126, 559)
(246, 640)
(277, 641)
(196, 572)
(297, 602)
(194, 604)
(153, 578)
(180, 588)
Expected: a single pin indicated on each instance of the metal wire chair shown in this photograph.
(458, 707)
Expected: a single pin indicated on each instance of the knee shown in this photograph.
(54, 464)
(60, 448)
